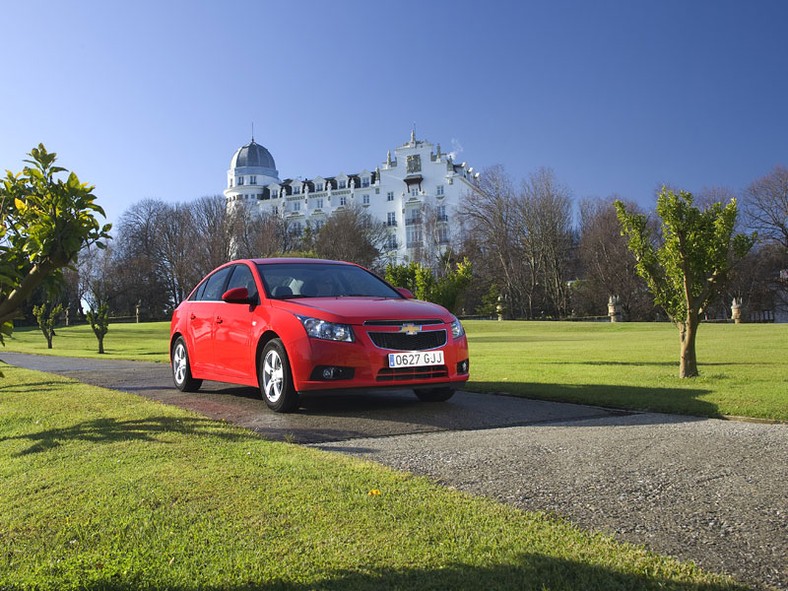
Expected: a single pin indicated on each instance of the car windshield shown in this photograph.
(321, 280)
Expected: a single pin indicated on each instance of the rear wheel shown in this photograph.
(276, 381)
(181, 370)
(434, 394)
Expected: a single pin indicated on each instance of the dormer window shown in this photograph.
(296, 189)
(319, 187)
(342, 184)
(365, 181)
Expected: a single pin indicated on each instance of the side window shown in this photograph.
(242, 277)
(214, 286)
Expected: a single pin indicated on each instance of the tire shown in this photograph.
(181, 370)
(276, 380)
(434, 394)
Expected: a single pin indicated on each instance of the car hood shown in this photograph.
(357, 310)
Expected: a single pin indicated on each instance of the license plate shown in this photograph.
(415, 358)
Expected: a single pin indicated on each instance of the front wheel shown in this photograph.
(181, 370)
(276, 381)
(435, 394)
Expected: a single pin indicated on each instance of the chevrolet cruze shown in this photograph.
(290, 326)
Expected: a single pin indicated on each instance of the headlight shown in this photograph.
(320, 329)
(456, 328)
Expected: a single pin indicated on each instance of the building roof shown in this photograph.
(253, 154)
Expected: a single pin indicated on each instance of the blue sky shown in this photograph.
(150, 99)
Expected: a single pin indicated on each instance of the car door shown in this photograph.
(202, 324)
(234, 349)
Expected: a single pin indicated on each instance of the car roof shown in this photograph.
(291, 260)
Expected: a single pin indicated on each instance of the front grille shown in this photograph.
(399, 341)
(401, 374)
(401, 322)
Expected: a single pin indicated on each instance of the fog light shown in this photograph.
(462, 367)
(327, 373)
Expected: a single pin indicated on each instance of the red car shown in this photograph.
(304, 325)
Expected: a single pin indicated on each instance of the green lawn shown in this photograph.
(626, 365)
(107, 490)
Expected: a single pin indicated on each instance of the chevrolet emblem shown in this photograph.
(410, 329)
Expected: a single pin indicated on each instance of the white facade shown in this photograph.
(415, 194)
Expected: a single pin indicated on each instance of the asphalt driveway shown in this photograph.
(707, 490)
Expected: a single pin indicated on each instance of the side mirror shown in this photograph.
(406, 293)
(237, 295)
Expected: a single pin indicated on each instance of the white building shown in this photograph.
(415, 193)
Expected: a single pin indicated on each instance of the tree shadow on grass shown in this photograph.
(526, 572)
(110, 430)
(646, 399)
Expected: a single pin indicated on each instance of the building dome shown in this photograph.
(253, 155)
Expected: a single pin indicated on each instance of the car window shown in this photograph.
(242, 277)
(285, 280)
(214, 285)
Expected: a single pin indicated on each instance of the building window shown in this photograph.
(442, 217)
(240, 181)
(413, 236)
(296, 190)
(391, 242)
(296, 206)
(392, 219)
(274, 194)
(443, 235)
(252, 180)
(390, 196)
(342, 184)
(365, 200)
(319, 187)
(414, 192)
(343, 200)
(365, 181)
(297, 229)
(318, 203)
(439, 191)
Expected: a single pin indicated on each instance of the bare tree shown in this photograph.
(258, 234)
(352, 235)
(490, 215)
(546, 236)
(766, 206)
(213, 231)
(607, 265)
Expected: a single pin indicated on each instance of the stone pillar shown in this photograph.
(736, 307)
(499, 308)
(614, 308)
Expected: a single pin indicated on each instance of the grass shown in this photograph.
(106, 490)
(146, 341)
(635, 366)
(622, 365)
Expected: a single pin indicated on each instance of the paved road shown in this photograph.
(700, 489)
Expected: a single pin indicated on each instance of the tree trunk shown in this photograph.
(688, 365)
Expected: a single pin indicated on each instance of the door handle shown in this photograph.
(192, 317)
(219, 320)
